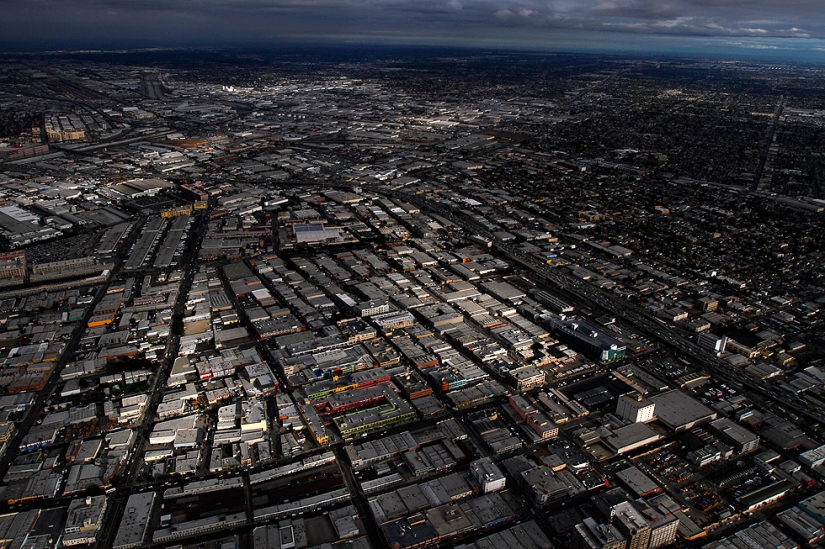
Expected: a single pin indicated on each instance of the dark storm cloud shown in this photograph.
(529, 21)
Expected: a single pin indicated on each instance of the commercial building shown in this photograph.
(440, 524)
(316, 392)
(632, 524)
(12, 268)
(522, 406)
(635, 408)
(393, 321)
(542, 425)
(527, 535)
(7, 430)
(739, 437)
(628, 438)
(394, 412)
(765, 495)
(638, 482)
(293, 468)
(342, 402)
(592, 342)
(803, 525)
(815, 506)
(664, 524)
(545, 486)
(28, 150)
(589, 534)
(761, 534)
(681, 412)
(285, 534)
(199, 527)
(527, 377)
(813, 458)
(712, 343)
(372, 308)
(281, 510)
(370, 452)
(135, 522)
(316, 427)
(315, 233)
(83, 521)
(488, 475)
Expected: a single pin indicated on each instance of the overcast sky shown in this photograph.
(792, 27)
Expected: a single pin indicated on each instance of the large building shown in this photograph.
(591, 535)
(815, 506)
(635, 408)
(395, 410)
(528, 377)
(712, 343)
(542, 425)
(802, 524)
(488, 475)
(12, 268)
(372, 308)
(664, 525)
(315, 233)
(813, 458)
(592, 342)
(24, 151)
(84, 519)
(679, 411)
(740, 438)
(632, 524)
(135, 522)
(638, 482)
(761, 534)
(393, 321)
(628, 438)
(522, 406)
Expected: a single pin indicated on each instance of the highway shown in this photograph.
(151, 87)
(760, 169)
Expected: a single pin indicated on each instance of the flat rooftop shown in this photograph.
(679, 411)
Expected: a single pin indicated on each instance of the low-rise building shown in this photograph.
(542, 425)
(135, 522)
(488, 475)
(739, 437)
(84, 519)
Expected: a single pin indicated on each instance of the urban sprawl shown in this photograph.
(410, 299)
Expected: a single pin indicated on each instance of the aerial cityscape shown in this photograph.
(398, 297)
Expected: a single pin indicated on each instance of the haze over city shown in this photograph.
(764, 28)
